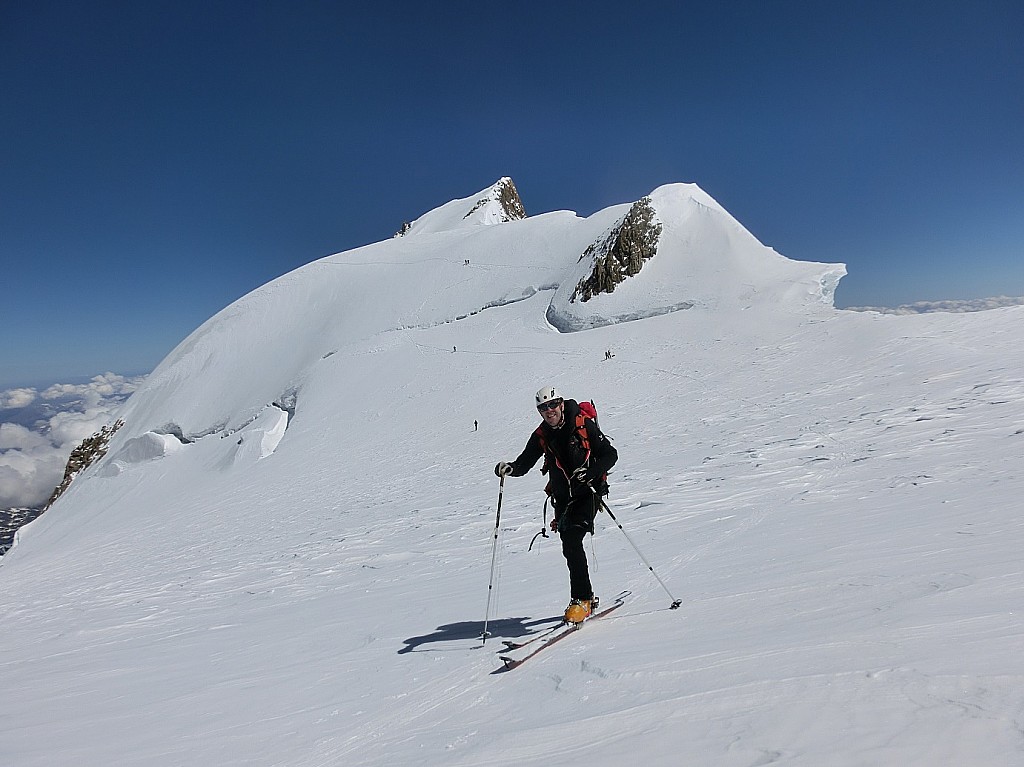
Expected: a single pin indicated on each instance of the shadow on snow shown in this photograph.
(503, 627)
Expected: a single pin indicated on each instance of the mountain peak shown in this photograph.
(677, 249)
(621, 253)
(497, 204)
(501, 201)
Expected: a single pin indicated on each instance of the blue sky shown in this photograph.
(160, 160)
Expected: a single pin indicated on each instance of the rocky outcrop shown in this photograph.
(82, 457)
(498, 204)
(10, 521)
(622, 252)
(507, 197)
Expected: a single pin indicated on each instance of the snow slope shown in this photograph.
(284, 557)
(705, 259)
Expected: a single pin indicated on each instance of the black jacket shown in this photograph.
(566, 454)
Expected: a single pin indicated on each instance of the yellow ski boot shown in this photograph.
(578, 610)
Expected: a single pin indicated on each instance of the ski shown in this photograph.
(510, 645)
(556, 634)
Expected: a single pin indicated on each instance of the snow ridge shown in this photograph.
(498, 204)
(465, 258)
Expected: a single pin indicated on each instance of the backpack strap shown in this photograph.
(549, 457)
(581, 430)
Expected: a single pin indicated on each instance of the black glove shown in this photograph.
(502, 469)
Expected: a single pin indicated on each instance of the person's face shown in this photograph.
(552, 411)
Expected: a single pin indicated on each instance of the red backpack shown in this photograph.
(587, 410)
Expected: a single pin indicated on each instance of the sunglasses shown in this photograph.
(549, 405)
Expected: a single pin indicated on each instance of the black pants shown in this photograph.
(574, 522)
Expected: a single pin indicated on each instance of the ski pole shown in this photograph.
(675, 602)
(494, 552)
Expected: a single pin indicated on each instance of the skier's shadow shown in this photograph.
(503, 627)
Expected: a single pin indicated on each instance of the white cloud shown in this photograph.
(27, 479)
(69, 428)
(99, 388)
(30, 466)
(32, 462)
(17, 398)
(15, 437)
(924, 307)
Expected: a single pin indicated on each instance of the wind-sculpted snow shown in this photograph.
(253, 441)
(576, 324)
(145, 447)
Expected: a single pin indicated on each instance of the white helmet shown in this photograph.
(547, 394)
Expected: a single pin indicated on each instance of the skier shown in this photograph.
(577, 456)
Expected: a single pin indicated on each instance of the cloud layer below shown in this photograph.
(39, 429)
(924, 307)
